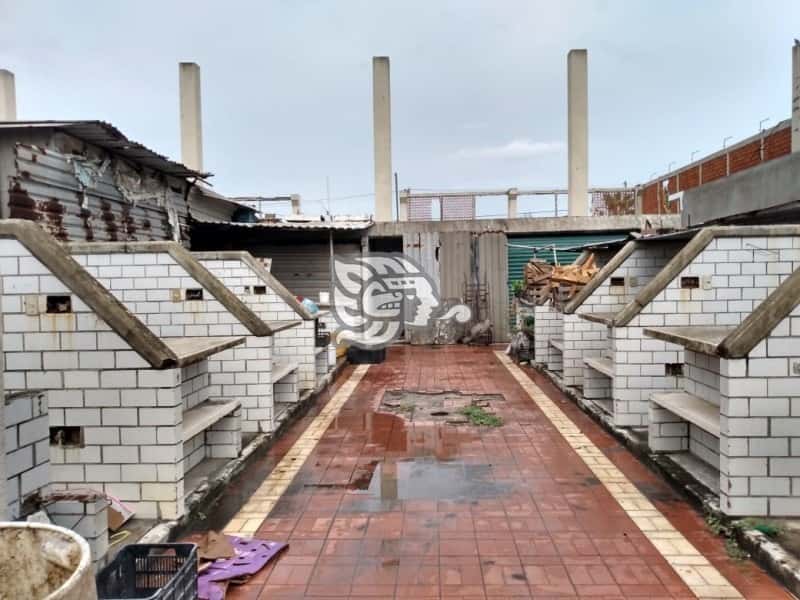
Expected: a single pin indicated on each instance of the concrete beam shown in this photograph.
(191, 116)
(512, 203)
(796, 97)
(8, 96)
(578, 133)
(554, 225)
(382, 132)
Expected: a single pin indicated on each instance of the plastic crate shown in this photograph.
(150, 572)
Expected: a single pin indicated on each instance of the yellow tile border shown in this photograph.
(705, 581)
(258, 506)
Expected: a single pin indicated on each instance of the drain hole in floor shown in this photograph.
(439, 413)
(451, 407)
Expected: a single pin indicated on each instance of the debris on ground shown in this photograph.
(543, 282)
(248, 558)
(453, 408)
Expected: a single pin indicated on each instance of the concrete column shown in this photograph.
(382, 131)
(191, 116)
(3, 468)
(578, 133)
(8, 96)
(512, 203)
(403, 216)
(295, 200)
(796, 97)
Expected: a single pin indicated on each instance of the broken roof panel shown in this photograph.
(106, 136)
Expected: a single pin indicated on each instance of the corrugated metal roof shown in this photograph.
(108, 137)
(300, 225)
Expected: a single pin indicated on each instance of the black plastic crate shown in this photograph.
(150, 572)
(322, 338)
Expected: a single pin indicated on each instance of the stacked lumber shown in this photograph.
(558, 284)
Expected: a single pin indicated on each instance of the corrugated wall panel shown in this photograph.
(304, 268)
(423, 247)
(45, 189)
(493, 269)
(454, 262)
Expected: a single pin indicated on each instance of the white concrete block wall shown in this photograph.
(582, 339)
(88, 519)
(587, 339)
(27, 448)
(153, 286)
(129, 414)
(760, 425)
(295, 344)
(735, 274)
(548, 324)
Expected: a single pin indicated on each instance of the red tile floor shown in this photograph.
(384, 508)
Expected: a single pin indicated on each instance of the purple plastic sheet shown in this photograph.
(251, 556)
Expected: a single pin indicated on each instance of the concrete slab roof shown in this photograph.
(263, 274)
(52, 255)
(254, 324)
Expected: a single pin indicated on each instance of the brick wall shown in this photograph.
(585, 339)
(295, 344)
(741, 157)
(154, 287)
(27, 448)
(548, 324)
(128, 414)
(737, 272)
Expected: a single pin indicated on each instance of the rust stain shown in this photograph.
(54, 213)
(108, 218)
(86, 217)
(128, 223)
(21, 205)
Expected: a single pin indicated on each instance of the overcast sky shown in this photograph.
(478, 88)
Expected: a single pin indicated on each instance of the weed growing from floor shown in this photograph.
(478, 416)
(769, 529)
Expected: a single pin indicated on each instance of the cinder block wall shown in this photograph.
(153, 286)
(548, 324)
(129, 414)
(586, 339)
(739, 273)
(27, 448)
(295, 344)
(760, 426)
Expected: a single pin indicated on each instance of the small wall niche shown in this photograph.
(690, 283)
(59, 304)
(673, 369)
(194, 294)
(260, 290)
(66, 436)
(617, 282)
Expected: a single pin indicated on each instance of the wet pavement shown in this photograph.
(387, 505)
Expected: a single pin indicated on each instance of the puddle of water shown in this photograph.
(425, 479)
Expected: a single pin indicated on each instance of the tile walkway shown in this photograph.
(546, 506)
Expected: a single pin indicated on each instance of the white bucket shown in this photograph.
(44, 562)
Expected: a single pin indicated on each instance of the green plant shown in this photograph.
(478, 416)
(717, 525)
(768, 528)
(517, 287)
(529, 322)
(734, 550)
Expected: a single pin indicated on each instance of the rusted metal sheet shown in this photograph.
(98, 200)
